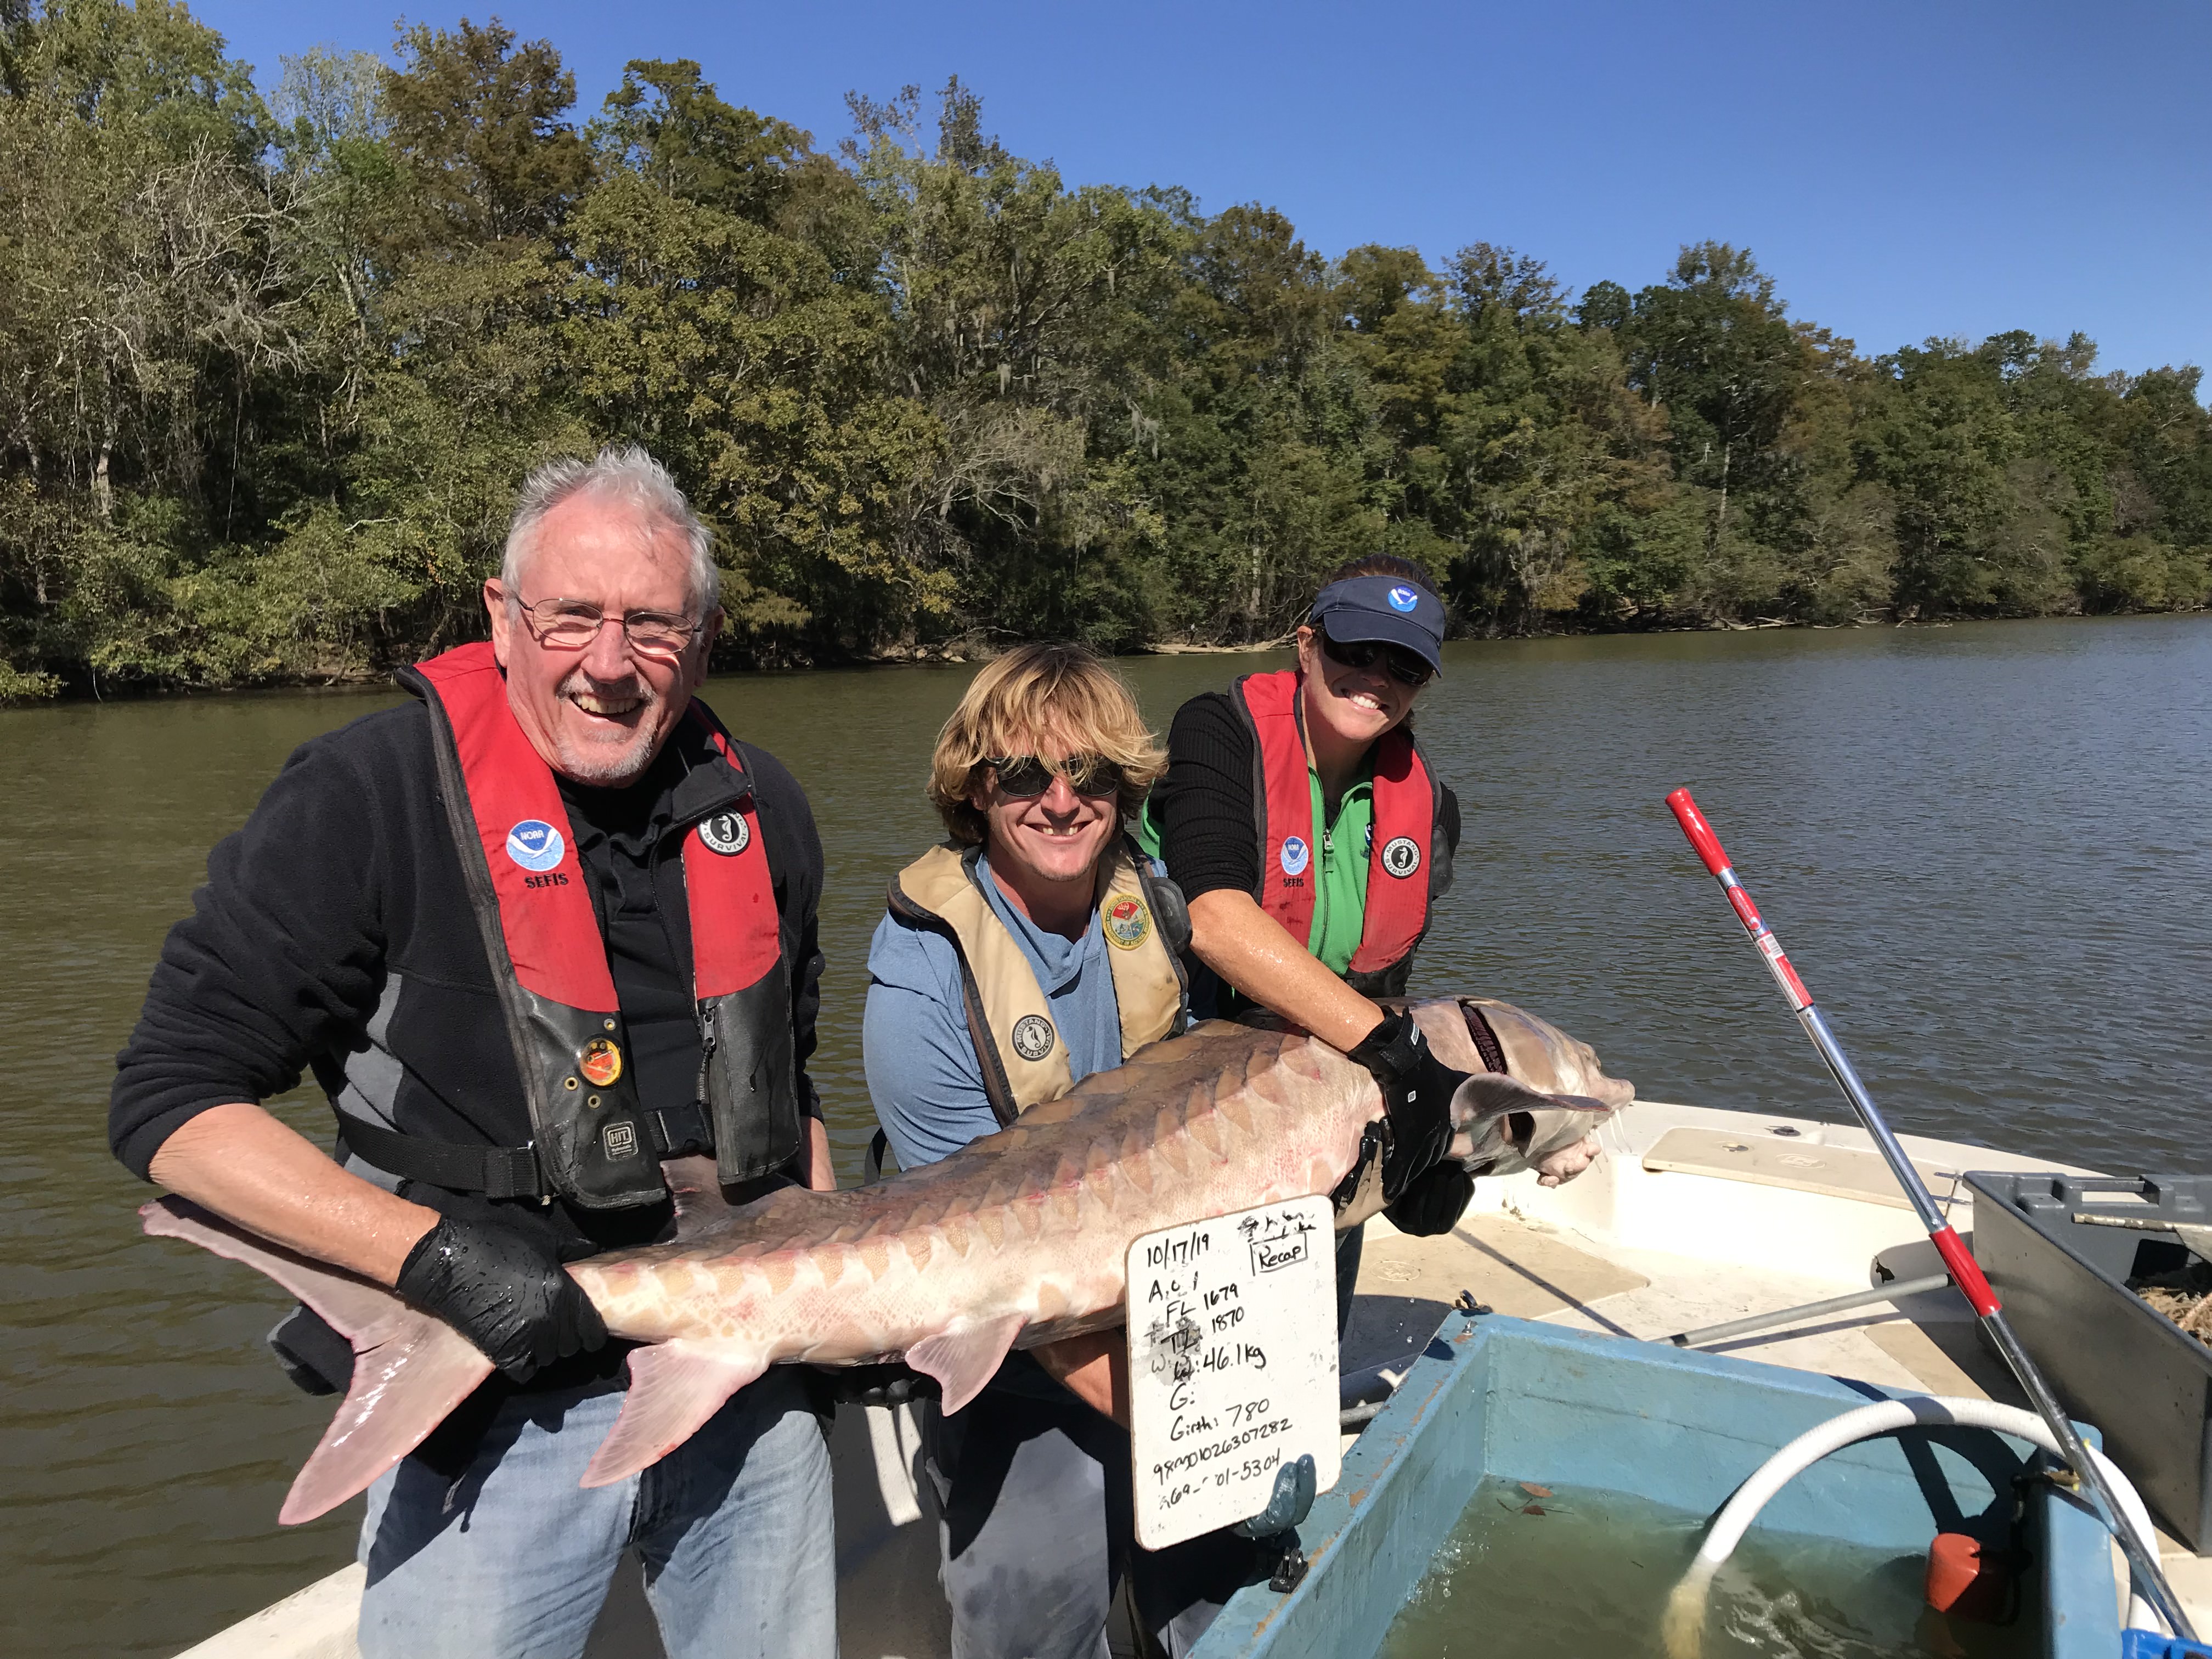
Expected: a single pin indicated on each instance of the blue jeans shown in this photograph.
(513, 1560)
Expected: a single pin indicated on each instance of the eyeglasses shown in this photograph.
(1402, 666)
(572, 624)
(1025, 777)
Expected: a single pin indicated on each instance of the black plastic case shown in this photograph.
(2113, 1360)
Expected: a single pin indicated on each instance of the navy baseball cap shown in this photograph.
(1384, 609)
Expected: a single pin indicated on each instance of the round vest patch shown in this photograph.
(1127, 921)
(727, 833)
(600, 1063)
(535, 844)
(1401, 856)
(1296, 856)
(1033, 1036)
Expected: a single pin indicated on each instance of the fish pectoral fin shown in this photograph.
(674, 1387)
(1488, 1095)
(410, 1370)
(963, 1360)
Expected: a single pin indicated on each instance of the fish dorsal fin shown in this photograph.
(694, 1185)
(704, 1212)
(963, 1360)
(409, 1369)
(674, 1387)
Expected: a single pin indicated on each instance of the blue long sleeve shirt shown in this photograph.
(923, 1072)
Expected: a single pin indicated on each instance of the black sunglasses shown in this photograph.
(1402, 666)
(1025, 777)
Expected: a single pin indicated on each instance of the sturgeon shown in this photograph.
(1019, 1239)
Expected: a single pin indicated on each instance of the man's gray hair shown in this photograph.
(625, 474)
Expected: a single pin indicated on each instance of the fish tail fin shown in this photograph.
(674, 1387)
(410, 1370)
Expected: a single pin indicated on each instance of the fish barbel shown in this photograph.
(1017, 1240)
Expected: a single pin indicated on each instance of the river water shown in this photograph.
(1989, 849)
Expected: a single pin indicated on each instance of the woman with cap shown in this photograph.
(1313, 841)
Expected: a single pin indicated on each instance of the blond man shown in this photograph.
(1035, 945)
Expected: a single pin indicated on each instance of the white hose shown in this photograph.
(1686, 1610)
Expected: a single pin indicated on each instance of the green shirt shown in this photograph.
(1340, 865)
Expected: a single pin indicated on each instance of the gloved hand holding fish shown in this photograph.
(1017, 1241)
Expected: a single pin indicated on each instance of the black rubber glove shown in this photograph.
(1435, 1201)
(1417, 1096)
(504, 1291)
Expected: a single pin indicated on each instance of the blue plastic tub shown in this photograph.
(1492, 1396)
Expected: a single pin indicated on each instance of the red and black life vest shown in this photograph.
(1403, 868)
(549, 959)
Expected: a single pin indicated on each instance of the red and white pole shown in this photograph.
(1964, 1269)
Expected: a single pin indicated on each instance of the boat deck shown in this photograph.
(1691, 1218)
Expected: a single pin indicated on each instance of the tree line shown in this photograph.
(271, 369)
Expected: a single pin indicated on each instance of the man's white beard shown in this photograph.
(605, 766)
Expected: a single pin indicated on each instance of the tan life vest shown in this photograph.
(1024, 1059)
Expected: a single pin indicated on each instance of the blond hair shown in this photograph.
(1035, 693)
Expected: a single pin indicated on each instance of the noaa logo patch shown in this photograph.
(535, 844)
(1033, 1035)
(1401, 855)
(1127, 922)
(727, 833)
(1403, 599)
(1296, 856)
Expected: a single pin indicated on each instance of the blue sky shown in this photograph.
(1903, 170)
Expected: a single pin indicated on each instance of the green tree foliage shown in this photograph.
(270, 373)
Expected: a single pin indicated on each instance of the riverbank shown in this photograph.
(20, 691)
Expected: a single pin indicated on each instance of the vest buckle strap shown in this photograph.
(493, 1171)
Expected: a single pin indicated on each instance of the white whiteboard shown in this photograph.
(1232, 1365)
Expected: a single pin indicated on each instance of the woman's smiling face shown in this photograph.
(1354, 705)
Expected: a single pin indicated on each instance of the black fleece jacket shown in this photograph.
(335, 934)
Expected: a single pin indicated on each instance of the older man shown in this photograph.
(533, 932)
